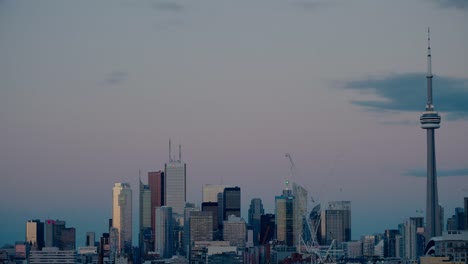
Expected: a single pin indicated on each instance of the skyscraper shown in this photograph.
(412, 245)
(146, 232)
(284, 217)
(267, 228)
(35, 234)
(157, 193)
(60, 236)
(300, 211)
(231, 202)
(430, 120)
(145, 206)
(200, 224)
(122, 215)
(235, 231)
(164, 239)
(390, 243)
(336, 222)
(466, 212)
(212, 207)
(175, 183)
(210, 192)
(255, 212)
(189, 208)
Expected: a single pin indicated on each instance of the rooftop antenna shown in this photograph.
(180, 152)
(429, 106)
(170, 159)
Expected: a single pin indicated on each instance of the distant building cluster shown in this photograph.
(172, 230)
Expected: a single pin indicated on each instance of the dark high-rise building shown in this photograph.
(457, 221)
(390, 243)
(466, 212)
(232, 202)
(67, 239)
(212, 208)
(430, 120)
(156, 187)
(220, 210)
(336, 222)
(255, 212)
(35, 234)
(58, 235)
(267, 228)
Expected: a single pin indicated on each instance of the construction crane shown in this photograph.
(317, 254)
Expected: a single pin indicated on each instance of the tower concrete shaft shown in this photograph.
(430, 120)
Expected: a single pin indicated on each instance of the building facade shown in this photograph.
(212, 207)
(122, 215)
(35, 234)
(235, 231)
(145, 237)
(210, 192)
(201, 226)
(156, 186)
(175, 185)
(284, 218)
(255, 212)
(231, 202)
(414, 228)
(164, 239)
(267, 228)
(336, 222)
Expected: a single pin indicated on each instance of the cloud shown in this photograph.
(168, 6)
(457, 4)
(407, 92)
(440, 173)
(116, 78)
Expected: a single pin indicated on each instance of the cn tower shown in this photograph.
(430, 120)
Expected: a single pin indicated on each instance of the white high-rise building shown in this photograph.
(122, 214)
(175, 185)
(300, 211)
(414, 246)
(210, 192)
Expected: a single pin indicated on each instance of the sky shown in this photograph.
(92, 91)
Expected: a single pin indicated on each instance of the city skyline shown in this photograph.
(88, 101)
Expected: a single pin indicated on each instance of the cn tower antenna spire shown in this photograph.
(429, 106)
(430, 121)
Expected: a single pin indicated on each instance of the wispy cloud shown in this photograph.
(115, 78)
(440, 173)
(457, 4)
(407, 92)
